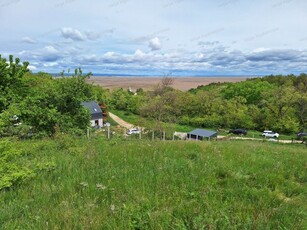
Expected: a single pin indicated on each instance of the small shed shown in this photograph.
(96, 113)
(201, 134)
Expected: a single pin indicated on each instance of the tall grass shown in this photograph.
(118, 184)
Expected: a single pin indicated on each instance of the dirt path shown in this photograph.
(266, 139)
(121, 122)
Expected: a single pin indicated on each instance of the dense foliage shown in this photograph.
(272, 102)
(100, 184)
(39, 104)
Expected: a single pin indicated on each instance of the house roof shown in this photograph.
(94, 109)
(203, 133)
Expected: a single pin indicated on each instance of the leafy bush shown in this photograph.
(15, 167)
(11, 172)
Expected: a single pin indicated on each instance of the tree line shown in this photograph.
(272, 102)
(42, 104)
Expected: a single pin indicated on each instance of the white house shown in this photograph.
(96, 113)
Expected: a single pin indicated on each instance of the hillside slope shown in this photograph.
(137, 184)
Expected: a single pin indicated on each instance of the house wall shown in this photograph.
(100, 123)
(194, 137)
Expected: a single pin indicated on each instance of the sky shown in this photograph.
(157, 37)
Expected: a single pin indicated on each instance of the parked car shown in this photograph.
(268, 133)
(133, 131)
(238, 131)
(301, 135)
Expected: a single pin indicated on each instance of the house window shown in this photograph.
(96, 122)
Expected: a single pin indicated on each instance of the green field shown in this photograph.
(99, 184)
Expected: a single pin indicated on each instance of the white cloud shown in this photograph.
(110, 54)
(23, 52)
(51, 49)
(155, 44)
(212, 61)
(49, 54)
(28, 40)
(32, 67)
(73, 34)
(139, 53)
(207, 61)
(258, 50)
(50, 64)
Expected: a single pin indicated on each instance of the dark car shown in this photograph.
(301, 135)
(238, 131)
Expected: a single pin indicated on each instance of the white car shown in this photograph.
(268, 133)
(133, 131)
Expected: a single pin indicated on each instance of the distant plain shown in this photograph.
(148, 83)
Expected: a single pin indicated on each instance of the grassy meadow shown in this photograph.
(120, 184)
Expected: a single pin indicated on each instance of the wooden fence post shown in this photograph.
(88, 133)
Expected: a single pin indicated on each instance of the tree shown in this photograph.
(250, 90)
(101, 95)
(278, 107)
(301, 85)
(280, 101)
(11, 84)
(37, 112)
(72, 91)
(163, 86)
(302, 109)
(119, 99)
